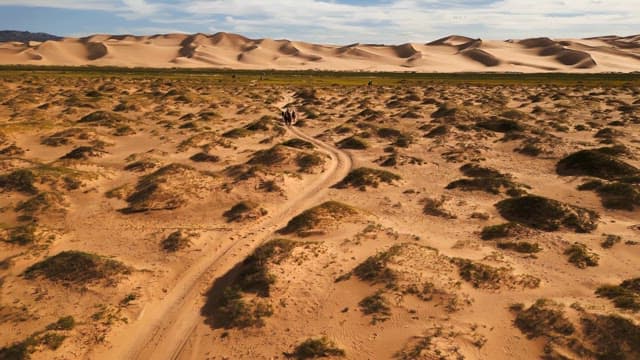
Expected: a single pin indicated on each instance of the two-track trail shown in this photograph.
(167, 324)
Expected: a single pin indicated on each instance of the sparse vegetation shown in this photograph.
(543, 318)
(595, 163)
(299, 144)
(353, 143)
(23, 235)
(63, 323)
(547, 214)
(363, 177)
(234, 312)
(309, 161)
(176, 241)
(377, 306)
(510, 229)
(76, 267)
(316, 348)
(488, 180)
(254, 275)
(581, 256)
(244, 210)
(435, 207)
(21, 180)
(520, 246)
(323, 214)
(624, 296)
(204, 157)
(375, 268)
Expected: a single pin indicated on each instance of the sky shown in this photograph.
(328, 21)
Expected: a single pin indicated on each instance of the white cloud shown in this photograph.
(393, 21)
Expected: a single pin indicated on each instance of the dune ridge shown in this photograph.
(226, 50)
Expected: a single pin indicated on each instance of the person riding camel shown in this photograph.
(286, 117)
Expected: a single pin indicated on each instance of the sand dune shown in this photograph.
(224, 50)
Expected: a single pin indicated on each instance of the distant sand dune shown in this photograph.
(224, 50)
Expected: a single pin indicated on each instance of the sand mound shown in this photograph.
(452, 40)
(96, 50)
(574, 57)
(537, 42)
(406, 51)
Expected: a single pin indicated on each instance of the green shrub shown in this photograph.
(435, 207)
(499, 231)
(176, 241)
(234, 312)
(269, 157)
(316, 348)
(595, 163)
(19, 180)
(547, 214)
(480, 275)
(486, 179)
(63, 323)
(329, 211)
(613, 336)
(306, 161)
(353, 142)
(624, 296)
(543, 318)
(299, 144)
(76, 267)
(610, 240)
(23, 235)
(377, 306)
(254, 274)
(363, 177)
(375, 268)
(520, 246)
(580, 255)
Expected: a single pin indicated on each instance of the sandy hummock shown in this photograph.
(223, 50)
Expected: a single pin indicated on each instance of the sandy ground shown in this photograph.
(161, 308)
(224, 50)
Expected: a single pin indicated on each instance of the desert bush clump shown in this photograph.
(254, 274)
(363, 177)
(375, 268)
(354, 143)
(377, 306)
(613, 336)
(23, 235)
(204, 157)
(308, 161)
(244, 210)
(595, 163)
(543, 318)
(104, 118)
(435, 207)
(486, 179)
(234, 312)
(316, 348)
(269, 157)
(176, 241)
(624, 296)
(326, 213)
(76, 267)
(299, 144)
(501, 125)
(19, 180)
(480, 275)
(520, 246)
(616, 194)
(580, 255)
(610, 240)
(547, 214)
(63, 323)
(510, 229)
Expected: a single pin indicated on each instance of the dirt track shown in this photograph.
(165, 326)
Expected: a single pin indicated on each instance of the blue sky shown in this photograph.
(328, 21)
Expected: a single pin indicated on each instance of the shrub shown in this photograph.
(19, 180)
(610, 240)
(204, 157)
(624, 296)
(82, 153)
(254, 274)
(76, 267)
(329, 211)
(299, 144)
(613, 336)
(269, 157)
(353, 142)
(542, 318)
(237, 133)
(501, 125)
(316, 348)
(23, 235)
(547, 214)
(480, 275)
(375, 268)
(104, 118)
(435, 207)
(580, 255)
(176, 241)
(486, 179)
(63, 323)
(234, 312)
(595, 163)
(499, 231)
(375, 305)
(363, 177)
(244, 210)
(520, 246)
(306, 162)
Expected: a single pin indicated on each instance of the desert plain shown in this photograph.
(164, 214)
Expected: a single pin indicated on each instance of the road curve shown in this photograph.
(165, 325)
